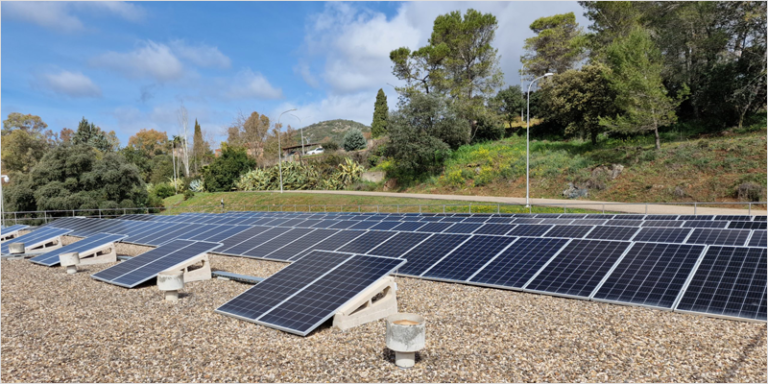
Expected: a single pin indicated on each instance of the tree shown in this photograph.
(251, 132)
(149, 141)
(183, 118)
(380, 115)
(577, 99)
(199, 146)
(21, 150)
(31, 124)
(509, 103)
(66, 135)
(557, 46)
(91, 135)
(354, 140)
(635, 75)
(222, 173)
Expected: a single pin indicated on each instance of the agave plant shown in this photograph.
(349, 172)
(177, 184)
(255, 180)
(196, 185)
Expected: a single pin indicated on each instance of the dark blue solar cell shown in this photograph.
(39, 236)
(399, 244)
(760, 218)
(386, 225)
(624, 223)
(529, 230)
(302, 244)
(705, 224)
(52, 258)
(736, 237)
(468, 258)
(254, 241)
(662, 223)
(409, 227)
(343, 224)
(651, 274)
(434, 227)
(696, 217)
(629, 217)
(475, 220)
(747, 225)
(254, 302)
(518, 263)
(367, 242)
(220, 236)
(239, 238)
(548, 215)
(319, 301)
(568, 231)
(733, 217)
(277, 242)
(164, 263)
(332, 243)
(494, 229)
(462, 228)
(578, 268)
(431, 218)
(429, 252)
(730, 281)
(660, 217)
(612, 233)
(325, 224)
(364, 225)
(526, 221)
(758, 239)
(499, 220)
(292, 223)
(662, 235)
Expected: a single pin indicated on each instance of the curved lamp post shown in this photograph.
(527, 141)
(280, 149)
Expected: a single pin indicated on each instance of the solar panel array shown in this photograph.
(647, 260)
(50, 259)
(38, 237)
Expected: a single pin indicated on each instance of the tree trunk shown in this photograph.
(593, 135)
(656, 132)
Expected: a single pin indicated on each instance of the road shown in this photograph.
(583, 204)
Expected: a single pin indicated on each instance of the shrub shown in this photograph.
(164, 190)
(221, 174)
(188, 194)
(330, 146)
(354, 140)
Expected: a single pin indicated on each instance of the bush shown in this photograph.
(354, 140)
(488, 128)
(330, 146)
(164, 190)
(221, 174)
(188, 194)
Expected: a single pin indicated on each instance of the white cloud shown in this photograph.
(201, 55)
(153, 60)
(250, 85)
(305, 73)
(357, 107)
(60, 15)
(73, 84)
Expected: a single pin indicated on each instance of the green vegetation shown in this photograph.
(224, 171)
(380, 115)
(354, 140)
(330, 130)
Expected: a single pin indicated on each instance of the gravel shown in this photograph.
(59, 327)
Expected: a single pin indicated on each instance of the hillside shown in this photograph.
(333, 130)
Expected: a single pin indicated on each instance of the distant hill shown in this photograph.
(330, 130)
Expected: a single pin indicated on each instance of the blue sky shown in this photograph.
(127, 66)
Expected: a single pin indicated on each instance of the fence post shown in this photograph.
(377, 208)
(564, 211)
(398, 208)
(99, 213)
(498, 208)
(443, 209)
(419, 208)
(45, 217)
(15, 220)
(646, 208)
(603, 208)
(470, 208)
(749, 207)
(694, 208)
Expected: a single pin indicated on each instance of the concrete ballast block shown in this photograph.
(376, 302)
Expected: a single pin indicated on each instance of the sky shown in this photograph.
(131, 65)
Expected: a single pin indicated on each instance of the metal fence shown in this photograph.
(43, 217)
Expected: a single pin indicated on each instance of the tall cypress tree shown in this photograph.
(380, 115)
(198, 145)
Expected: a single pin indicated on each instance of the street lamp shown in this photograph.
(528, 140)
(280, 150)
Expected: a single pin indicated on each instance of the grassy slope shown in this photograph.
(332, 129)
(703, 169)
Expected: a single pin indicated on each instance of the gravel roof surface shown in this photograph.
(59, 327)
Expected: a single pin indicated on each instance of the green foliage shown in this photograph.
(196, 186)
(188, 194)
(161, 168)
(93, 136)
(509, 103)
(199, 147)
(557, 47)
(21, 150)
(488, 127)
(380, 115)
(330, 146)
(221, 174)
(354, 140)
(164, 190)
(298, 176)
(30, 124)
(635, 75)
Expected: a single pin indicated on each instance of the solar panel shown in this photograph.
(729, 282)
(556, 221)
(302, 244)
(343, 224)
(254, 241)
(366, 242)
(494, 229)
(578, 268)
(429, 252)
(696, 217)
(705, 224)
(386, 225)
(332, 243)
(475, 220)
(733, 217)
(452, 219)
(52, 258)
(399, 244)
(35, 238)
(410, 226)
(529, 230)
(293, 223)
(279, 241)
(239, 238)
(432, 218)
(513, 267)
(526, 221)
(469, 257)
(747, 224)
(221, 236)
(259, 299)
(650, 275)
(758, 239)
(499, 220)
(661, 217)
(588, 222)
(662, 223)
(324, 224)
(568, 231)
(548, 215)
(364, 225)
(662, 235)
(735, 237)
(13, 228)
(319, 301)
(462, 228)
(760, 218)
(612, 233)
(624, 223)
(434, 227)
(629, 217)
(156, 232)
(139, 269)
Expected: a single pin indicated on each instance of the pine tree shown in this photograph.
(380, 115)
(198, 146)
